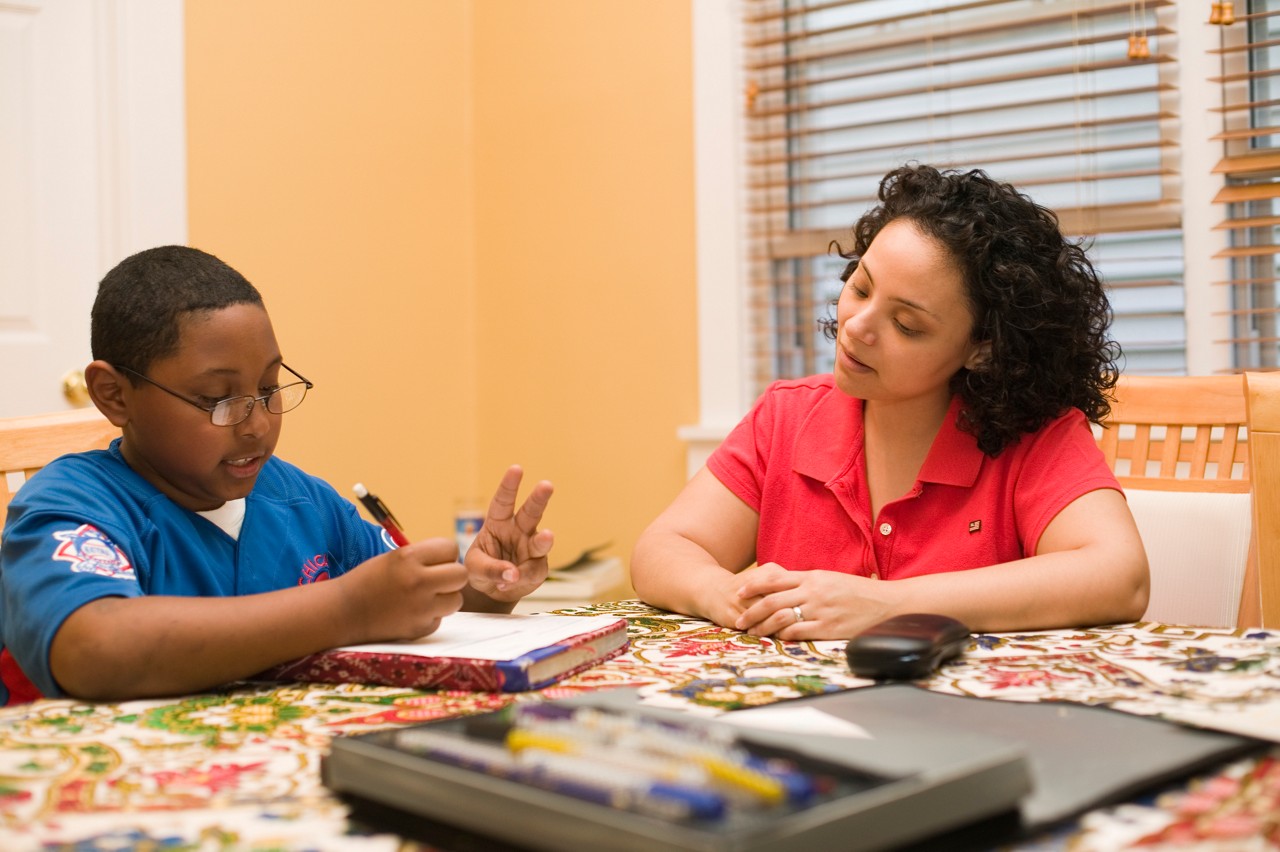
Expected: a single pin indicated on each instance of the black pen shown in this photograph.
(381, 514)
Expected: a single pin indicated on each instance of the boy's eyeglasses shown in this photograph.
(236, 409)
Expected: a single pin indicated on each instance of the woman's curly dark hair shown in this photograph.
(1034, 295)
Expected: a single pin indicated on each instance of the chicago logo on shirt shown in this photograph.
(315, 569)
(91, 552)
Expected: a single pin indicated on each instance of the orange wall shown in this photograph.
(472, 221)
(328, 161)
(585, 254)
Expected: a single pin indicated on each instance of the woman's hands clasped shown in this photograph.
(810, 604)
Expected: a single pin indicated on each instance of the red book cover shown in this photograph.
(477, 652)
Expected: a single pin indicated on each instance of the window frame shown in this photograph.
(719, 85)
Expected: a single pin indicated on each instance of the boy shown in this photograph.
(185, 556)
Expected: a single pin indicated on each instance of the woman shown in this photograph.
(946, 465)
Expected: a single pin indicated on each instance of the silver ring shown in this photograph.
(798, 614)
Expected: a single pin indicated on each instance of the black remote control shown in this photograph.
(906, 647)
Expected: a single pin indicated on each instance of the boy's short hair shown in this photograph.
(136, 314)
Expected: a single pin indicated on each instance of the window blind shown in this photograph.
(1250, 83)
(1041, 93)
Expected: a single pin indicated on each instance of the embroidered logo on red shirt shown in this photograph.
(91, 552)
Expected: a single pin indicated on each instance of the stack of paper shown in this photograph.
(592, 581)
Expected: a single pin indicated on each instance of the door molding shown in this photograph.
(93, 168)
(142, 135)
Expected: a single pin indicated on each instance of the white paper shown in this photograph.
(489, 636)
(801, 720)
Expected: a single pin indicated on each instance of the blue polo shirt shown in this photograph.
(87, 526)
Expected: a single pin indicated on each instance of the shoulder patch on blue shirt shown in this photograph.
(91, 552)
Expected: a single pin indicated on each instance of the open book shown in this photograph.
(479, 652)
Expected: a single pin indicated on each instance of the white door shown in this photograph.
(92, 168)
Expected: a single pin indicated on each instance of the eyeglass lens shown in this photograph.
(229, 412)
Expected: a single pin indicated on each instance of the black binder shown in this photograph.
(1080, 756)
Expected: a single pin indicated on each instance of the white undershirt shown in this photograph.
(228, 517)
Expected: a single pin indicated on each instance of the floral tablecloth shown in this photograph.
(239, 769)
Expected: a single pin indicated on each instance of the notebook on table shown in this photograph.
(478, 652)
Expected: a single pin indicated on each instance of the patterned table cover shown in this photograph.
(239, 769)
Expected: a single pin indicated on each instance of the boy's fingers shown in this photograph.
(540, 544)
(448, 581)
(432, 551)
(491, 569)
(531, 512)
(503, 504)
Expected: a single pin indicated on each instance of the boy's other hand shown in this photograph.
(508, 558)
(404, 593)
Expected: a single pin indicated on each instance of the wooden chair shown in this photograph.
(1183, 450)
(29, 443)
(1264, 471)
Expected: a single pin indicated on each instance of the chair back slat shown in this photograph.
(29, 443)
(1140, 451)
(1180, 448)
(1199, 454)
(1231, 451)
(1170, 449)
(1190, 429)
(1263, 579)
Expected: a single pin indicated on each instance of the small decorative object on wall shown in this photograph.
(1138, 48)
(1223, 14)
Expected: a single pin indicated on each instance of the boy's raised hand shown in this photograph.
(508, 558)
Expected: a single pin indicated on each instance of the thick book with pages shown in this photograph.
(478, 652)
(583, 580)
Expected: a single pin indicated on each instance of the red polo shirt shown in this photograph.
(797, 459)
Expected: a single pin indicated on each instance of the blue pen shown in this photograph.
(613, 785)
(570, 776)
(634, 741)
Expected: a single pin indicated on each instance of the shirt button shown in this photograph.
(886, 528)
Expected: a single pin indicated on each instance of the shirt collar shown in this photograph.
(954, 458)
(831, 437)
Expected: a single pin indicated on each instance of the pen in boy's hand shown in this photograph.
(381, 514)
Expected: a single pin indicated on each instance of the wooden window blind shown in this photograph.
(1250, 83)
(1040, 93)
